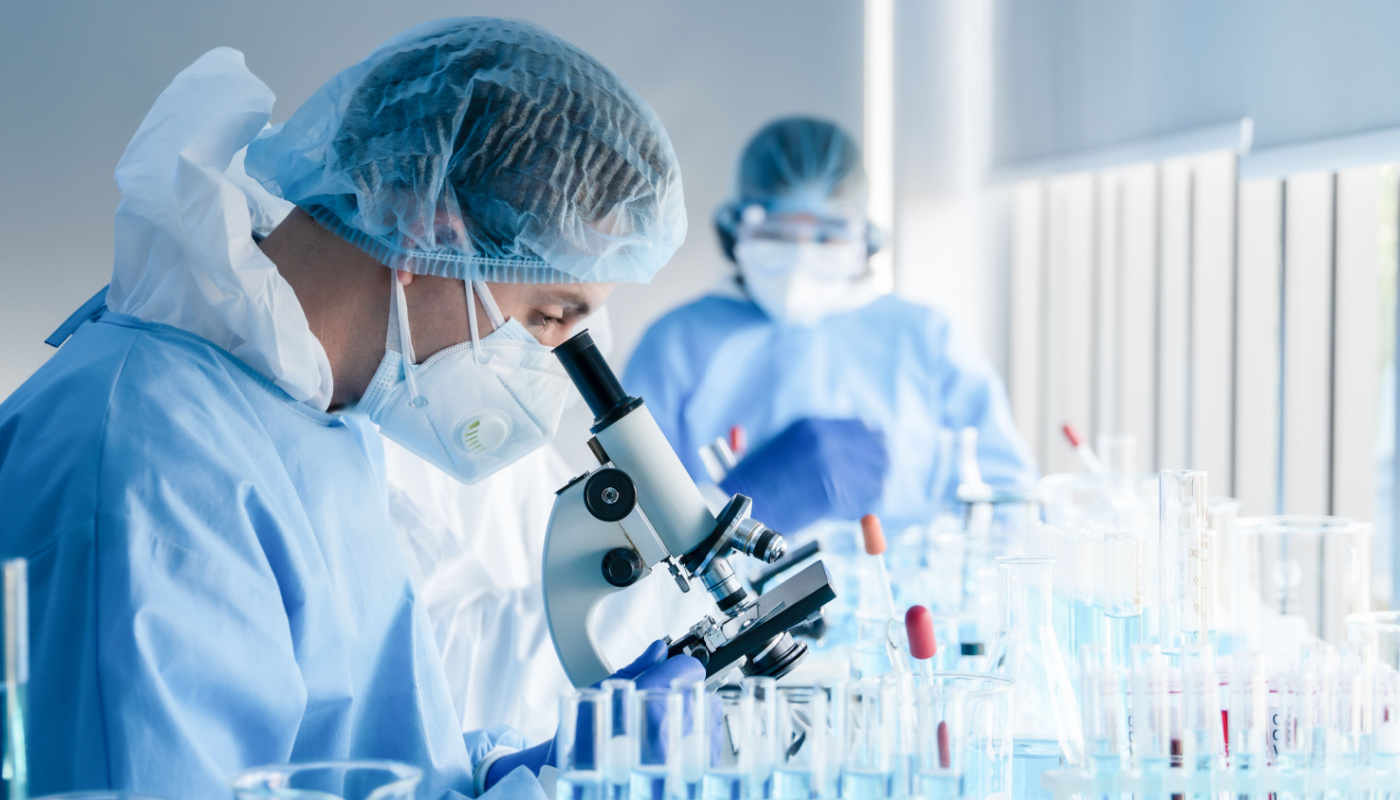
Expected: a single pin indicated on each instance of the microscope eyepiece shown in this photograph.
(595, 380)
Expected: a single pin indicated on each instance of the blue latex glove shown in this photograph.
(651, 670)
(814, 469)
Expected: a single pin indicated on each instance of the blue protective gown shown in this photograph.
(214, 579)
(720, 361)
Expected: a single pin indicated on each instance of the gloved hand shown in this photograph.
(651, 670)
(814, 469)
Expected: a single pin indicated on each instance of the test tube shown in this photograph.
(16, 633)
(1123, 552)
(762, 692)
(1101, 704)
(616, 758)
(733, 748)
(1248, 712)
(688, 766)
(1221, 513)
(1186, 561)
(584, 721)
(1151, 711)
(1385, 691)
(1202, 739)
(803, 748)
(871, 720)
(656, 747)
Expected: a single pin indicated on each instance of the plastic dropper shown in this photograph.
(923, 646)
(874, 535)
(1086, 453)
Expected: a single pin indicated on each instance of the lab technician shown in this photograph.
(852, 401)
(194, 477)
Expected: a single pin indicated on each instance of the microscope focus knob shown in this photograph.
(622, 566)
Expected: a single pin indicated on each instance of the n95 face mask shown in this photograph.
(802, 283)
(473, 408)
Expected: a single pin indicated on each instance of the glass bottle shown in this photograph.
(1045, 721)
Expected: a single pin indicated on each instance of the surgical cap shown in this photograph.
(485, 149)
(796, 165)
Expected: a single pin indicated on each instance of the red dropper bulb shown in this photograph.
(918, 623)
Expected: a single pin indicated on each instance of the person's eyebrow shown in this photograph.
(571, 301)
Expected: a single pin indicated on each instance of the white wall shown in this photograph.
(77, 77)
(1080, 74)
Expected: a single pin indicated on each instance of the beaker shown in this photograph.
(962, 739)
(1185, 575)
(329, 780)
(1045, 722)
(1381, 630)
(585, 720)
(1315, 570)
(15, 614)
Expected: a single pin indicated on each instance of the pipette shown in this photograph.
(1086, 453)
(923, 646)
(874, 535)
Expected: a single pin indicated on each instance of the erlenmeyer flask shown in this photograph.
(1045, 722)
(329, 780)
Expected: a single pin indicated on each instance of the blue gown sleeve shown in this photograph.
(195, 647)
(975, 396)
(664, 373)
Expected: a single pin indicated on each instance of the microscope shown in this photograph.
(640, 510)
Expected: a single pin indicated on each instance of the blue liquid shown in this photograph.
(647, 783)
(860, 784)
(576, 785)
(1123, 633)
(795, 784)
(939, 786)
(1088, 625)
(724, 785)
(1029, 760)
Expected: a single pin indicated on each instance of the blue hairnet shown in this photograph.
(796, 165)
(485, 149)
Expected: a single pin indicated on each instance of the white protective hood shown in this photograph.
(185, 254)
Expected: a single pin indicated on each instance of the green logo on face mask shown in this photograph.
(483, 433)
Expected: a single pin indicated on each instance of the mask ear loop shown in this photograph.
(493, 314)
(400, 310)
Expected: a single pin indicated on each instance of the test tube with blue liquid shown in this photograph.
(618, 738)
(657, 748)
(1102, 703)
(871, 735)
(1122, 582)
(584, 724)
(16, 632)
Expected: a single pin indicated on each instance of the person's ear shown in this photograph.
(405, 277)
